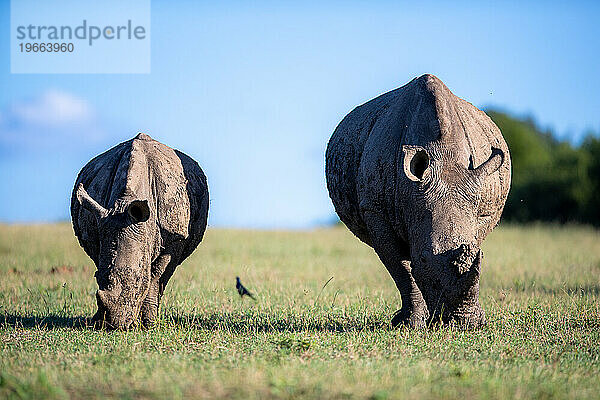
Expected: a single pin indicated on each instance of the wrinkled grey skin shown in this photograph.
(422, 176)
(138, 210)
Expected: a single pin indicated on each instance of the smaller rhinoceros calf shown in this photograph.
(138, 210)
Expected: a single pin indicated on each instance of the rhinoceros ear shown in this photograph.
(415, 162)
(139, 210)
(86, 201)
(491, 165)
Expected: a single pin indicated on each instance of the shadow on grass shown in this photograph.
(259, 323)
(220, 321)
(264, 323)
(47, 322)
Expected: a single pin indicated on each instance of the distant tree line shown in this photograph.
(552, 180)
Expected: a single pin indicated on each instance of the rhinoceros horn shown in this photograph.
(471, 276)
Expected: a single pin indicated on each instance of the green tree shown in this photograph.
(552, 180)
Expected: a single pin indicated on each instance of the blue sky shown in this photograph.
(253, 91)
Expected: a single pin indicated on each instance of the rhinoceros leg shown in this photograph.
(149, 309)
(414, 312)
(162, 270)
(394, 254)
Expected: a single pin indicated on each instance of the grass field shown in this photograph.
(540, 290)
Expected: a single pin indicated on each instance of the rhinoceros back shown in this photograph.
(364, 154)
(197, 190)
(103, 177)
(343, 158)
(170, 180)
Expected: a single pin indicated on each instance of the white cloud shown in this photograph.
(53, 108)
(53, 120)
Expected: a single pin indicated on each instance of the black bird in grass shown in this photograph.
(242, 290)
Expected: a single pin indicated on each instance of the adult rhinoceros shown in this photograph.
(422, 176)
(138, 210)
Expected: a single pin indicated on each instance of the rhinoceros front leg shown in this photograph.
(394, 254)
(149, 310)
(414, 312)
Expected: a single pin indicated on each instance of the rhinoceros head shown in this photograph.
(126, 234)
(454, 201)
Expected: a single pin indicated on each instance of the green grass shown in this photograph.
(540, 290)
